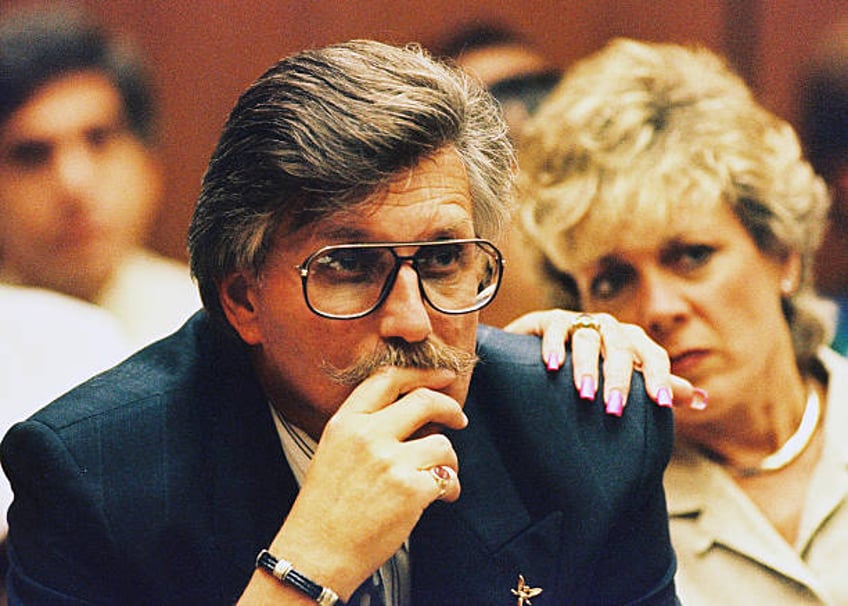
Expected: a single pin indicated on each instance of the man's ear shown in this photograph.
(237, 293)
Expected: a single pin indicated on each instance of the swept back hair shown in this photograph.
(325, 129)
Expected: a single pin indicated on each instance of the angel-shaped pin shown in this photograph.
(524, 592)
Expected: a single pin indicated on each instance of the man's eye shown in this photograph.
(341, 262)
(29, 155)
(441, 258)
(101, 136)
(360, 265)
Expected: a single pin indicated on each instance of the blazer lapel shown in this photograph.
(253, 486)
(479, 545)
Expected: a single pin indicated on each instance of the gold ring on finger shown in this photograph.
(584, 321)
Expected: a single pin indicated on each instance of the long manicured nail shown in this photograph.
(553, 362)
(615, 403)
(587, 387)
(664, 397)
(699, 399)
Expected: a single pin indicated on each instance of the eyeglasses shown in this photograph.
(350, 281)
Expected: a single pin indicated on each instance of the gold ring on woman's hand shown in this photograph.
(584, 321)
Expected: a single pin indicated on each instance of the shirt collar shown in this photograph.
(298, 446)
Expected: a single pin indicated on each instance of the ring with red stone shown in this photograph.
(442, 476)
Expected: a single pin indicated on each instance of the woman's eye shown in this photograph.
(609, 284)
(694, 256)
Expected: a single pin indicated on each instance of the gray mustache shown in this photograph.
(427, 355)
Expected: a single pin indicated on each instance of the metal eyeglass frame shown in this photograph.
(303, 269)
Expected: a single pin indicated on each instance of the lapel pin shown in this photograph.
(524, 592)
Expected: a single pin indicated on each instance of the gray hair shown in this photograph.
(641, 131)
(323, 130)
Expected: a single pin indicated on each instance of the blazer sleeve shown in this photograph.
(59, 543)
(156, 482)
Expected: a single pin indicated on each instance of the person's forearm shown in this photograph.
(307, 560)
(265, 589)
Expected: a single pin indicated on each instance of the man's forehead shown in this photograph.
(430, 201)
(70, 98)
(339, 230)
(363, 224)
(444, 165)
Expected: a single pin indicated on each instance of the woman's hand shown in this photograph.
(624, 348)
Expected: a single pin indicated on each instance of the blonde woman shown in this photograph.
(664, 194)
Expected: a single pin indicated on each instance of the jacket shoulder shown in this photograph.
(536, 410)
(183, 362)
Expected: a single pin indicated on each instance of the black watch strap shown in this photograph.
(284, 572)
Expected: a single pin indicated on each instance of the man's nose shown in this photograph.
(404, 313)
(75, 171)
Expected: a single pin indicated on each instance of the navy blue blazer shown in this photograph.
(158, 482)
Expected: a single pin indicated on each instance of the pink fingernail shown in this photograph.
(699, 399)
(553, 361)
(615, 403)
(587, 388)
(664, 397)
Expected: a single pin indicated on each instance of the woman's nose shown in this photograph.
(662, 303)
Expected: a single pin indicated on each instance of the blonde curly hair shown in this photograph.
(641, 131)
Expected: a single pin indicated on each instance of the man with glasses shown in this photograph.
(305, 438)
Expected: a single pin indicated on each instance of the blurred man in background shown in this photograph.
(79, 181)
(514, 70)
